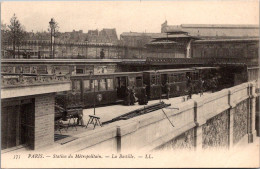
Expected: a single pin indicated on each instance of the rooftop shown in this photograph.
(227, 40)
(218, 26)
(142, 34)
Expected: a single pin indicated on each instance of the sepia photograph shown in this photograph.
(130, 84)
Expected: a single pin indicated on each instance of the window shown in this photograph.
(158, 79)
(86, 84)
(175, 78)
(196, 76)
(92, 85)
(122, 81)
(182, 77)
(139, 82)
(102, 85)
(76, 85)
(79, 71)
(131, 81)
(178, 77)
(110, 85)
(153, 79)
(171, 78)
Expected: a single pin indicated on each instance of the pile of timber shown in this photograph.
(138, 112)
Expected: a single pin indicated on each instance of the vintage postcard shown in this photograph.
(130, 84)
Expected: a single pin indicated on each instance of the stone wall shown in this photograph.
(215, 131)
(240, 121)
(183, 141)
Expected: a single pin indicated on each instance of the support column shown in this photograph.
(198, 138)
(118, 139)
(231, 127)
(199, 120)
(44, 120)
(252, 105)
(249, 120)
(231, 120)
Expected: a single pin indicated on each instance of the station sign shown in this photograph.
(99, 97)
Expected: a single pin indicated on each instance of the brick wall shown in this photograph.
(44, 120)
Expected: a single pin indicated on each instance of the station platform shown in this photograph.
(107, 113)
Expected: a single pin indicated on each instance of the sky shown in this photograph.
(126, 16)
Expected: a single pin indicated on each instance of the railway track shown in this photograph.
(138, 112)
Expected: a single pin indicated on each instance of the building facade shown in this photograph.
(27, 110)
(214, 31)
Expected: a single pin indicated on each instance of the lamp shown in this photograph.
(52, 26)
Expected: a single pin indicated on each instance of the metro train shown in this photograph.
(103, 89)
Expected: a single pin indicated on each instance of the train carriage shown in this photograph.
(100, 89)
(176, 78)
(206, 74)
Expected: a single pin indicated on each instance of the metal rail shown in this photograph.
(138, 112)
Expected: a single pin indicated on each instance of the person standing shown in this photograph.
(127, 94)
(201, 86)
(189, 86)
(143, 98)
(168, 90)
(102, 54)
(132, 96)
(214, 84)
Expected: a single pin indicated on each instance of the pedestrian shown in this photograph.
(143, 98)
(190, 91)
(102, 54)
(201, 86)
(214, 84)
(127, 96)
(132, 96)
(168, 90)
(189, 86)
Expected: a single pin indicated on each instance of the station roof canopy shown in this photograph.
(171, 39)
(162, 42)
(178, 31)
(170, 70)
(176, 36)
(201, 68)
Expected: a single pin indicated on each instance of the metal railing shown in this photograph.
(209, 61)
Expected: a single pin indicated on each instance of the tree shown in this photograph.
(16, 33)
(3, 36)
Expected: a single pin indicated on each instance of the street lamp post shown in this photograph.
(94, 105)
(52, 26)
